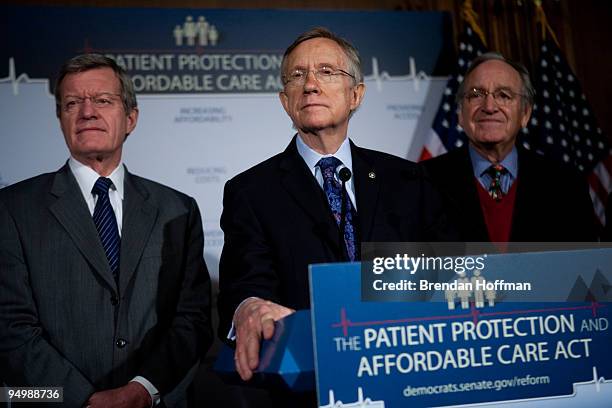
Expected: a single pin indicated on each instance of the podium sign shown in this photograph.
(432, 354)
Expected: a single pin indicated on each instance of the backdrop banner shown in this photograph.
(207, 83)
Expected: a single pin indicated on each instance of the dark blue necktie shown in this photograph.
(106, 224)
(333, 191)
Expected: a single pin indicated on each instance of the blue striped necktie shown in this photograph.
(333, 191)
(106, 224)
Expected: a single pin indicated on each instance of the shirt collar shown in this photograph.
(312, 157)
(481, 164)
(86, 177)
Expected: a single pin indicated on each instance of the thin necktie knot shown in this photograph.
(496, 171)
(328, 166)
(102, 186)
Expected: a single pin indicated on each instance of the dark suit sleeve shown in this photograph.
(26, 357)
(248, 266)
(188, 331)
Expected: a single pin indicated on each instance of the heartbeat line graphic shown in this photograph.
(474, 314)
(379, 76)
(15, 80)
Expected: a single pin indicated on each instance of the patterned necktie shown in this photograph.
(496, 171)
(106, 224)
(333, 191)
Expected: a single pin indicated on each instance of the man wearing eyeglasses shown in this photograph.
(313, 203)
(497, 190)
(103, 286)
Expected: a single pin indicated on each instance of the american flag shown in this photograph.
(563, 126)
(445, 133)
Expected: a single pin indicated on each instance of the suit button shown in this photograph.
(120, 343)
(114, 301)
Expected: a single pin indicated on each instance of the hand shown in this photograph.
(131, 395)
(253, 319)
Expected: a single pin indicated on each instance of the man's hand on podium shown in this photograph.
(253, 320)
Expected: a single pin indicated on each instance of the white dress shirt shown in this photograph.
(343, 154)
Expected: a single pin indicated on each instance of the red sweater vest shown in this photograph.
(497, 214)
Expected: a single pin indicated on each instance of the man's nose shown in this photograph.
(87, 109)
(489, 104)
(311, 83)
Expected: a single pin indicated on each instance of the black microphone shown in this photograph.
(344, 175)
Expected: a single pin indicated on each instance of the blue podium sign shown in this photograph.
(432, 354)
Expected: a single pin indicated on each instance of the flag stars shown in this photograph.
(590, 156)
(563, 142)
(546, 109)
(587, 127)
(448, 91)
(548, 125)
(570, 78)
(585, 112)
(557, 59)
(462, 46)
(526, 145)
(549, 139)
(544, 63)
(544, 78)
(446, 107)
(445, 123)
(600, 145)
(562, 127)
(565, 157)
(534, 122)
(545, 93)
(571, 93)
(458, 143)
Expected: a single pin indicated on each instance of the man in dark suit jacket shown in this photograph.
(277, 217)
(494, 190)
(112, 329)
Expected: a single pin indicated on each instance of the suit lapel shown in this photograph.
(298, 181)
(463, 185)
(139, 216)
(367, 187)
(71, 211)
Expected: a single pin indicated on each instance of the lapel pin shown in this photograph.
(372, 175)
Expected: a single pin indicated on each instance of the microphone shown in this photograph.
(344, 175)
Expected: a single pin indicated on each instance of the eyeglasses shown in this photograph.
(502, 97)
(100, 101)
(324, 75)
